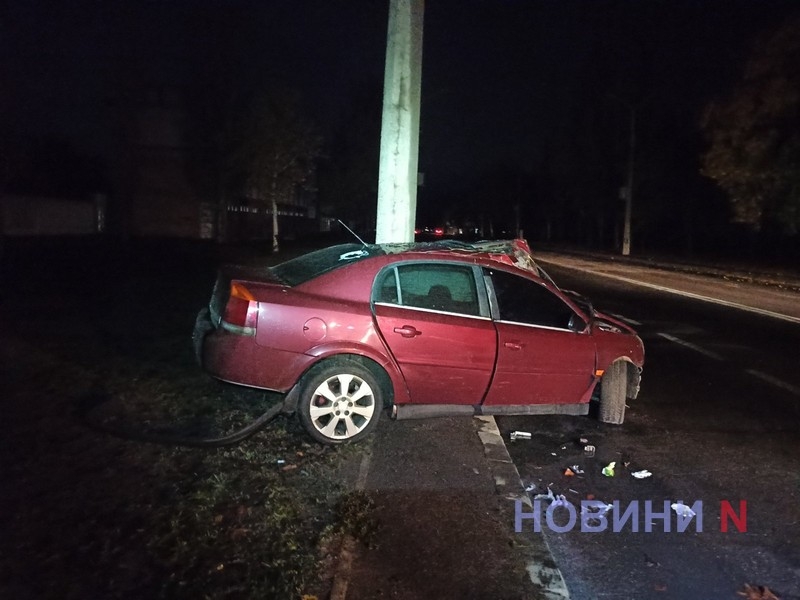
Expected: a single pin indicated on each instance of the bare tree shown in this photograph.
(275, 149)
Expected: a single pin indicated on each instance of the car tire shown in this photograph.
(340, 402)
(613, 392)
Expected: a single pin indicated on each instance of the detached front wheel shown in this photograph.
(613, 393)
(340, 402)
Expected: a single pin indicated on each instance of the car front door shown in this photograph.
(435, 320)
(545, 354)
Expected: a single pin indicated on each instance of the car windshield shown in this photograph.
(307, 267)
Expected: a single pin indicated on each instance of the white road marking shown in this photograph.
(775, 381)
(633, 322)
(661, 288)
(691, 346)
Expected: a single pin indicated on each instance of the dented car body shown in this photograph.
(435, 329)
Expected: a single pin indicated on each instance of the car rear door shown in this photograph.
(434, 318)
(545, 354)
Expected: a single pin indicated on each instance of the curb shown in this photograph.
(347, 553)
(672, 290)
(542, 568)
(785, 280)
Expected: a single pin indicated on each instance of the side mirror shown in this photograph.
(576, 323)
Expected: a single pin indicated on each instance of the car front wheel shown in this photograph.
(613, 390)
(340, 402)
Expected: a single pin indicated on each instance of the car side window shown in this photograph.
(521, 300)
(440, 287)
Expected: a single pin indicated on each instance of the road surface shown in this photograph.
(717, 420)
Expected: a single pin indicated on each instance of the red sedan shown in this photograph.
(436, 329)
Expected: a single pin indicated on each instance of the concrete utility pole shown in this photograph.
(397, 178)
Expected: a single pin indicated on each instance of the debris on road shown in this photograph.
(597, 510)
(569, 472)
(588, 451)
(757, 592)
(608, 470)
(577, 469)
(530, 487)
(683, 511)
(643, 474)
(649, 562)
(520, 435)
(560, 500)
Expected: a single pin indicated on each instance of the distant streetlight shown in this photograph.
(628, 189)
(626, 232)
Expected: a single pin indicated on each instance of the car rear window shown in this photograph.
(434, 286)
(307, 267)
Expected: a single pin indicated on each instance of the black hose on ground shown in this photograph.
(176, 440)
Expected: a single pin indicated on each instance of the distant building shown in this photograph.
(32, 216)
(160, 198)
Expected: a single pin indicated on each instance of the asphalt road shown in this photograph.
(717, 419)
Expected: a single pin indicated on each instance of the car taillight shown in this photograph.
(241, 312)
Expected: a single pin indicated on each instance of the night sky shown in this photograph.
(504, 81)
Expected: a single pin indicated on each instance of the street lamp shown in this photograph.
(626, 232)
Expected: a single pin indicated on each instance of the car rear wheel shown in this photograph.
(340, 402)
(613, 390)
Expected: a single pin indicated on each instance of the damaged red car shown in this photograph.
(416, 330)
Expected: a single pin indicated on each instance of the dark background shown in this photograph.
(526, 104)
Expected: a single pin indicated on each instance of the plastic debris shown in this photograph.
(530, 487)
(588, 451)
(596, 510)
(568, 472)
(683, 511)
(520, 435)
(560, 500)
(608, 470)
(577, 470)
(643, 474)
(583, 440)
(280, 461)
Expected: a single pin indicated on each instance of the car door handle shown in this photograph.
(407, 331)
(514, 345)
